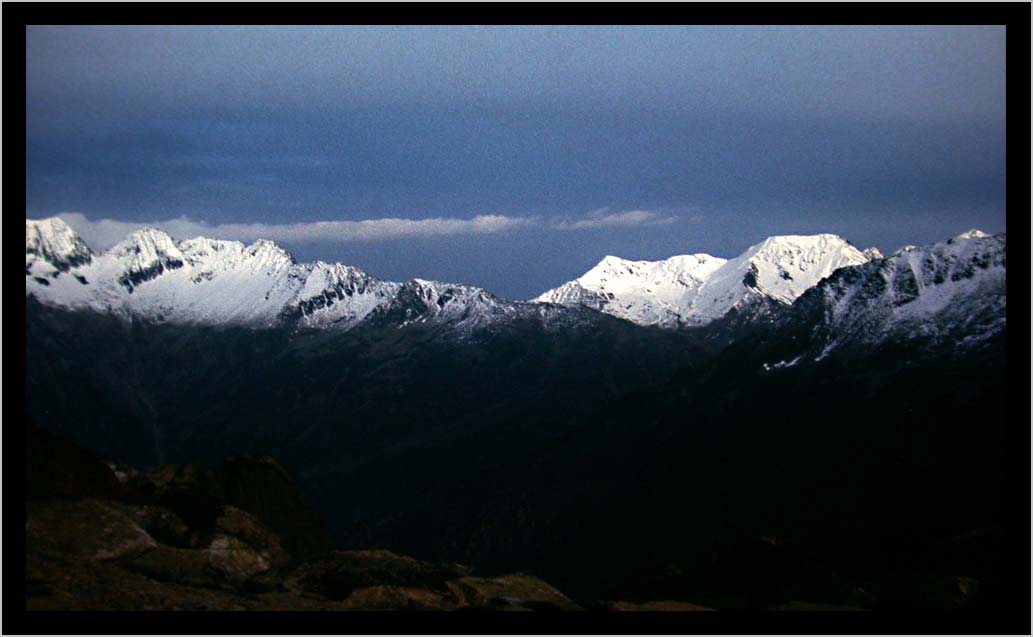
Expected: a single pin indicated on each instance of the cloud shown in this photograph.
(101, 234)
(603, 218)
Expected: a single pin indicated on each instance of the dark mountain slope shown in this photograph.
(874, 461)
(364, 418)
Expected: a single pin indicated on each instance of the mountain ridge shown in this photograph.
(207, 281)
(151, 275)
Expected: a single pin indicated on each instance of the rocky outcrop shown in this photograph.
(255, 487)
(337, 575)
(511, 592)
(232, 537)
(87, 530)
(91, 554)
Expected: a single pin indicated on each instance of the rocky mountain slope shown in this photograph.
(950, 293)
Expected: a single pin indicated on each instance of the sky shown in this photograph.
(515, 158)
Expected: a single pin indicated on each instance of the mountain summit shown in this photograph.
(54, 243)
(697, 289)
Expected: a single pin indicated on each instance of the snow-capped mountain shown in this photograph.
(949, 292)
(697, 289)
(57, 245)
(205, 281)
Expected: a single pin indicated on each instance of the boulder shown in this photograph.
(510, 592)
(234, 560)
(163, 525)
(336, 575)
(397, 598)
(241, 525)
(85, 529)
(182, 567)
(226, 563)
(257, 485)
(111, 585)
(263, 487)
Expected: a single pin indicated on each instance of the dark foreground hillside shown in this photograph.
(237, 536)
(231, 537)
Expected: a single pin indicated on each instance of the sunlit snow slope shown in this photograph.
(697, 289)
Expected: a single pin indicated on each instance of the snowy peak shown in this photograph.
(964, 258)
(698, 289)
(261, 257)
(336, 294)
(149, 244)
(644, 292)
(617, 272)
(972, 234)
(145, 255)
(784, 267)
(200, 250)
(463, 306)
(53, 241)
(267, 255)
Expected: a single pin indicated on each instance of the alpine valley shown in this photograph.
(807, 422)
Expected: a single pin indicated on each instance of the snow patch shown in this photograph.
(782, 364)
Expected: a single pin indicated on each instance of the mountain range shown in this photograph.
(149, 275)
(663, 413)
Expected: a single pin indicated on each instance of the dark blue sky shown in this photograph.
(570, 143)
